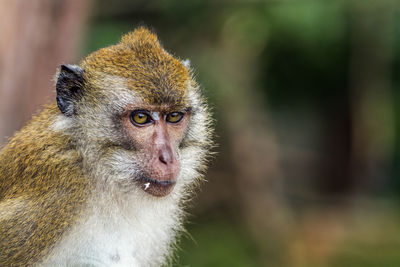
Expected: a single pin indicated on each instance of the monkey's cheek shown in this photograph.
(157, 188)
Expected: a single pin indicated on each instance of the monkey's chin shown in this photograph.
(157, 188)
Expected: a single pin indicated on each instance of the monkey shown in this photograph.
(101, 176)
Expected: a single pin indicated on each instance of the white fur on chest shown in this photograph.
(121, 235)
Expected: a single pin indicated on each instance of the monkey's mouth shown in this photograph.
(158, 188)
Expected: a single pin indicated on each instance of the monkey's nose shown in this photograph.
(166, 156)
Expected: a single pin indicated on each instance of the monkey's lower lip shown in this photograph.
(156, 187)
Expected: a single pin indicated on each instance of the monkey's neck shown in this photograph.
(139, 233)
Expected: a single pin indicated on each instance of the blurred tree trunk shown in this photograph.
(253, 142)
(36, 37)
(372, 103)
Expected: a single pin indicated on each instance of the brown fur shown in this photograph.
(153, 72)
(41, 169)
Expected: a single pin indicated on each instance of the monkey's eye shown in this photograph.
(174, 117)
(140, 118)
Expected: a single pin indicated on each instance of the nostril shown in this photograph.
(165, 156)
(162, 159)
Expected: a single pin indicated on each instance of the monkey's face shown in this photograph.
(137, 115)
(155, 135)
(131, 144)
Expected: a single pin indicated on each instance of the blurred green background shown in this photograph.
(305, 96)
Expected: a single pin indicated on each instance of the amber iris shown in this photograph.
(174, 117)
(140, 118)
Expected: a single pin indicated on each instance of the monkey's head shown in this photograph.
(136, 116)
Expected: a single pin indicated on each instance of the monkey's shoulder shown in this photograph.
(42, 192)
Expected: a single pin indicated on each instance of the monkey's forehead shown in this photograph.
(148, 69)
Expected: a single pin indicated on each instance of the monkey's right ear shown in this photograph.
(69, 88)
